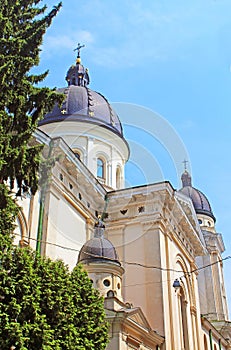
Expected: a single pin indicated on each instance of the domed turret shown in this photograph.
(200, 201)
(100, 259)
(98, 249)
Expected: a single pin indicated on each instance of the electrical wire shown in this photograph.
(152, 267)
(214, 263)
(135, 263)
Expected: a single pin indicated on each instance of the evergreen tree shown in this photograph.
(89, 313)
(42, 304)
(22, 104)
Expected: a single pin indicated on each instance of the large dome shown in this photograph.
(200, 201)
(83, 104)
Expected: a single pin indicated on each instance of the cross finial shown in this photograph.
(78, 49)
(185, 164)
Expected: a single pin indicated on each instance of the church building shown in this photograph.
(152, 251)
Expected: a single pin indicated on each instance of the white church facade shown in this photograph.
(148, 251)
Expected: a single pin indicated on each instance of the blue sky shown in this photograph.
(170, 57)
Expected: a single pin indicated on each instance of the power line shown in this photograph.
(54, 244)
(135, 263)
(214, 263)
(151, 267)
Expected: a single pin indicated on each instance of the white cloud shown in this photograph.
(133, 32)
(149, 31)
(54, 43)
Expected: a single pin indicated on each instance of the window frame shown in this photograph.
(100, 167)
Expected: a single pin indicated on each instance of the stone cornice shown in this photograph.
(103, 267)
(214, 242)
(156, 206)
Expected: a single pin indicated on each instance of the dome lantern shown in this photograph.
(77, 75)
(186, 179)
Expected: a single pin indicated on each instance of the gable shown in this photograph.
(136, 315)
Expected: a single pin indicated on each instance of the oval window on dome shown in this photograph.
(106, 282)
(200, 221)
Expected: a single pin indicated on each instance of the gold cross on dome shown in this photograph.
(185, 164)
(78, 48)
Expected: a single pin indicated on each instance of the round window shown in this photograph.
(106, 283)
(200, 221)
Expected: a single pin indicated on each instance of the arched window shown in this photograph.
(100, 168)
(77, 153)
(215, 347)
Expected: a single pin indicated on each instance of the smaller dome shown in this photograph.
(98, 249)
(200, 201)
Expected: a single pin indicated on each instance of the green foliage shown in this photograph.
(89, 315)
(44, 306)
(8, 214)
(22, 104)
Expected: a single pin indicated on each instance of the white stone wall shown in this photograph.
(66, 231)
(93, 142)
